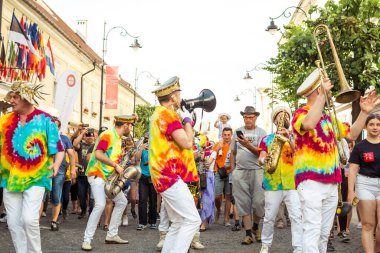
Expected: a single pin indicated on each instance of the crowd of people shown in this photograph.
(187, 181)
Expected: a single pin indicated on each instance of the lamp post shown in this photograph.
(244, 92)
(137, 76)
(135, 45)
(258, 67)
(273, 28)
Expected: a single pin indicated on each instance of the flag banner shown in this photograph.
(66, 93)
(17, 34)
(112, 83)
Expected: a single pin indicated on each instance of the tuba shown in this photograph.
(115, 181)
(346, 95)
(277, 145)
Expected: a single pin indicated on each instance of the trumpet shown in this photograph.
(346, 95)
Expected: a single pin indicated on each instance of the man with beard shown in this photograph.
(172, 165)
(279, 185)
(103, 162)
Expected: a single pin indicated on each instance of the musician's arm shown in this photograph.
(314, 114)
(357, 127)
(263, 155)
(184, 136)
(100, 156)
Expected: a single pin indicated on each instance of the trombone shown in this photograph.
(346, 95)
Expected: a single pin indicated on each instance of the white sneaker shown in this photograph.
(264, 249)
(125, 220)
(86, 246)
(4, 219)
(115, 240)
(160, 244)
(359, 225)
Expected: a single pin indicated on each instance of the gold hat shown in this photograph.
(125, 118)
(27, 91)
(279, 109)
(310, 84)
(168, 87)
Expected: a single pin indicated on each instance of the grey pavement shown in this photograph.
(217, 238)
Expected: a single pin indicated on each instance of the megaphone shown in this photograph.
(206, 100)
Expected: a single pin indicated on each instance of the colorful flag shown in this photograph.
(18, 35)
(49, 57)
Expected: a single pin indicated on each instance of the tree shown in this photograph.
(144, 112)
(354, 25)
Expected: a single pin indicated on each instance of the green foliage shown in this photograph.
(354, 26)
(144, 112)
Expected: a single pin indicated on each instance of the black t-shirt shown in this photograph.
(82, 153)
(367, 156)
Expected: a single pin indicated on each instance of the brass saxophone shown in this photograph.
(115, 181)
(278, 143)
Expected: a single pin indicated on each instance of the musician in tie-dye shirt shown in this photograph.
(171, 163)
(28, 141)
(316, 158)
(104, 161)
(279, 186)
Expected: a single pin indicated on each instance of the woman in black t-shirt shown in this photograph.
(364, 173)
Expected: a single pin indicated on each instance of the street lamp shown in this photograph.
(273, 28)
(135, 45)
(244, 92)
(258, 67)
(137, 76)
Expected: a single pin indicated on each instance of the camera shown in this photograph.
(85, 125)
(145, 140)
(90, 132)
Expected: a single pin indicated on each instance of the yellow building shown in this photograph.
(70, 53)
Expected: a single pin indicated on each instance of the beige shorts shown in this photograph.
(248, 191)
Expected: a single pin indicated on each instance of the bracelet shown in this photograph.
(188, 120)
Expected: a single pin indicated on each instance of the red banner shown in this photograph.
(112, 83)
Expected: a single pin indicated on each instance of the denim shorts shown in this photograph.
(56, 190)
(367, 188)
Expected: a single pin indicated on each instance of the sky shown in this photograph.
(208, 44)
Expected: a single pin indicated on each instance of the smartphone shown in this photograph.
(239, 134)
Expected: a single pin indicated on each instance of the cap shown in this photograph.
(125, 118)
(310, 84)
(279, 109)
(168, 87)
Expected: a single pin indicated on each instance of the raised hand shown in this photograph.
(368, 104)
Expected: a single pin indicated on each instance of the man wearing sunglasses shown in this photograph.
(247, 174)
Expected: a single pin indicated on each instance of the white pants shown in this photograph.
(318, 204)
(180, 206)
(273, 201)
(23, 218)
(97, 188)
(164, 219)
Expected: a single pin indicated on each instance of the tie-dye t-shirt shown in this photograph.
(283, 177)
(316, 154)
(167, 160)
(27, 151)
(110, 142)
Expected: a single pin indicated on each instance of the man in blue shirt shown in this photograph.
(59, 179)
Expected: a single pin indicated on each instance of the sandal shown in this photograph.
(202, 229)
(105, 227)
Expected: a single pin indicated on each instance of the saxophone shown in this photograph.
(278, 143)
(115, 181)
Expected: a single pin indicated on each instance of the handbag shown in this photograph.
(222, 172)
(203, 181)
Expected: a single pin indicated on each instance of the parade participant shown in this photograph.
(103, 162)
(247, 176)
(29, 139)
(222, 171)
(221, 123)
(59, 179)
(364, 170)
(316, 159)
(279, 186)
(172, 164)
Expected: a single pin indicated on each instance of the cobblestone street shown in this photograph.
(217, 238)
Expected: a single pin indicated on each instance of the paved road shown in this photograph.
(217, 238)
